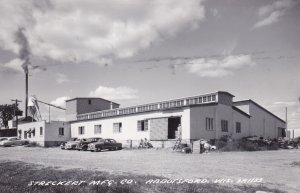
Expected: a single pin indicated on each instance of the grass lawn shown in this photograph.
(16, 177)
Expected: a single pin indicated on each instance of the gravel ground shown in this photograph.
(275, 167)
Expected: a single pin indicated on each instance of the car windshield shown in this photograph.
(113, 141)
(12, 139)
(2, 139)
(93, 139)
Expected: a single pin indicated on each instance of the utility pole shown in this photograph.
(286, 120)
(16, 114)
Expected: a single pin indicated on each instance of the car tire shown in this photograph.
(99, 149)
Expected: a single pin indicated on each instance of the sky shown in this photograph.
(139, 51)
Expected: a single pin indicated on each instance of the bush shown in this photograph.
(225, 143)
(31, 144)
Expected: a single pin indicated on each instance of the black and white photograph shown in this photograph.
(150, 96)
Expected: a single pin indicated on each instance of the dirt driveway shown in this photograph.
(275, 167)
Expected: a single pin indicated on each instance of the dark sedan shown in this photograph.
(83, 145)
(105, 144)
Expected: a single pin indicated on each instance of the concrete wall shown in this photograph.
(39, 139)
(245, 125)
(71, 110)
(198, 122)
(225, 98)
(96, 105)
(81, 106)
(264, 124)
(129, 125)
(217, 112)
(50, 135)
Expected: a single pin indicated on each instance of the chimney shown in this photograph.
(26, 94)
(111, 105)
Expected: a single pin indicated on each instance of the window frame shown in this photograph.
(224, 125)
(61, 131)
(99, 126)
(41, 131)
(81, 130)
(119, 129)
(209, 124)
(238, 127)
(143, 125)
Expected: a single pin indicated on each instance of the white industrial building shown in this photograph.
(44, 133)
(207, 116)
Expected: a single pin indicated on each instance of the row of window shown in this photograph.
(224, 125)
(151, 107)
(31, 132)
(117, 127)
(143, 125)
(199, 100)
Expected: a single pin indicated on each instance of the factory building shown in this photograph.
(207, 116)
(45, 134)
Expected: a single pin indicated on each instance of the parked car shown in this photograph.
(63, 144)
(108, 144)
(84, 144)
(3, 138)
(70, 145)
(13, 141)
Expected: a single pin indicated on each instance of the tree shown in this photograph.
(7, 113)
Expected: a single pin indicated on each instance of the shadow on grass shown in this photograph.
(16, 177)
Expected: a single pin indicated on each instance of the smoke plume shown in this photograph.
(24, 51)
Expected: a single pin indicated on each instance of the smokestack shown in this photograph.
(26, 94)
(24, 54)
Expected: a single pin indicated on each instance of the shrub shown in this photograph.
(31, 144)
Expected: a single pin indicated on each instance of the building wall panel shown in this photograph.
(159, 129)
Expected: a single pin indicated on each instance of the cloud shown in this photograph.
(218, 68)
(118, 93)
(94, 31)
(60, 101)
(14, 65)
(61, 78)
(270, 14)
(215, 12)
(285, 103)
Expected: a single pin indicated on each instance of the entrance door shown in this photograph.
(173, 123)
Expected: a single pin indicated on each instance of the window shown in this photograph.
(224, 125)
(61, 131)
(81, 130)
(117, 128)
(143, 125)
(41, 130)
(97, 129)
(33, 132)
(238, 127)
(29, 133)
(90, 101)
(209, 123)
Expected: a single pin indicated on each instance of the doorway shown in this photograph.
(173, 123)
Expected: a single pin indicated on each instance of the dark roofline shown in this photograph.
(251, 101)
(91, 98)
(224, 92)
(240, 111)
(145, 112)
